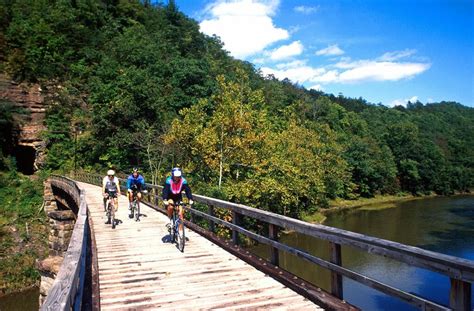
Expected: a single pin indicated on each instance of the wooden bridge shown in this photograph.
(135, 266)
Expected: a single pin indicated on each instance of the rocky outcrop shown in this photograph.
(30, 124)
(48, 269)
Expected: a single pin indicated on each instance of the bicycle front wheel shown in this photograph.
(137, 211)
(181, 236)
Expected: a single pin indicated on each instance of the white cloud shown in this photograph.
(300, 74)
(317, 87)
(413, 99)
(285, 51)
(351, 71)
(403, 102)
(293, 64)
(245, 26)
(306, 9)
(382, 71)
(330, 51)
(396, 55)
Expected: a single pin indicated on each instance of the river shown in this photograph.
(442, 224)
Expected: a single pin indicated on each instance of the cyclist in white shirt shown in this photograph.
(111, 187)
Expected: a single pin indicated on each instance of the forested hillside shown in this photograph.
(142, 86)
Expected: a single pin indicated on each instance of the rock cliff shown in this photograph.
(27, 145)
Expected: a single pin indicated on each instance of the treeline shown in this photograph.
(138, 84)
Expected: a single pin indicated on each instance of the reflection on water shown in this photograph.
(444, 225)
(27, 300)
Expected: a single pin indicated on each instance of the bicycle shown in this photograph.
(176, 229)
(110, 212)
(135, 208)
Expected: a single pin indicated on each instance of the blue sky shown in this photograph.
(386, 51)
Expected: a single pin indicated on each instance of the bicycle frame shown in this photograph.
(110, 211)
(177, 231)
(135, 206)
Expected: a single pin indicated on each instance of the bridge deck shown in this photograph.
(140, 269)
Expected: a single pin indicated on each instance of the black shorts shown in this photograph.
(112, 194)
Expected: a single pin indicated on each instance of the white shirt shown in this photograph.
(110, 185)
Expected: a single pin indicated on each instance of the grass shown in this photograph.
(23, 231)
(375, 203)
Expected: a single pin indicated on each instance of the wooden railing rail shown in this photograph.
(67, 290)
(460, 271)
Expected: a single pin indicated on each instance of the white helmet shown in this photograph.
(110, 172)
(176, 172)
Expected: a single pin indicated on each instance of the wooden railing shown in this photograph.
(67, 290)
(460, 271)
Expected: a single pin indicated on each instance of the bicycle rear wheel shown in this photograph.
(173, 230)
(181, 236)
(112, 215)
(137, 211)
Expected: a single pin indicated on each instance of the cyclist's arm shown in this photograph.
(188, 192)
(103, 185)
(129, 183)
(166, 191)
(142, 182)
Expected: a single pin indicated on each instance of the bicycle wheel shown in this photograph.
(173, 230)
(132, 210)
(181, 236)
(112, 213)
(137, 211)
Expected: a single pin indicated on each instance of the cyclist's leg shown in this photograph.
(130, 198)
(181, 214)
(139, 197)
(170, 208)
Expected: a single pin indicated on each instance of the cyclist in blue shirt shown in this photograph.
(135, 183)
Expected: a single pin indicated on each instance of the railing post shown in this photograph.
(210, 210)
(273, 234)
(155, 195)
(336, 279)
(236, 219)
(460, 295)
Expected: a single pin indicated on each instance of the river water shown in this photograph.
(444, 225)
(27, 300)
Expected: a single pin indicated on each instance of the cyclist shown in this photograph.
(111, 187)
(135, 183)
(172, 191)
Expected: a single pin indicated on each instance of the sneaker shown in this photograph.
(107, 222)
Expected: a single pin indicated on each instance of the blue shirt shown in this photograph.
(139, 182)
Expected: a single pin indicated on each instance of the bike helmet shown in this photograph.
(110, 172)
(176, 172)
(135, 170)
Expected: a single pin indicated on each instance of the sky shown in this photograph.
(385, 51)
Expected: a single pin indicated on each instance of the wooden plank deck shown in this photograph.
(140, 269)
